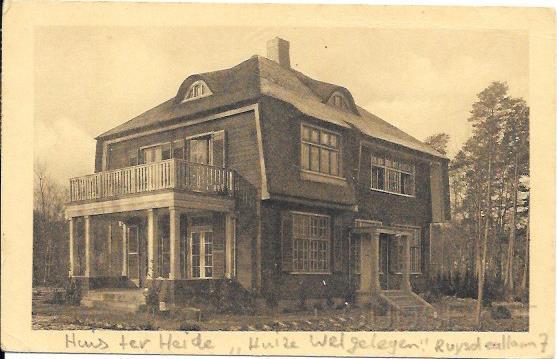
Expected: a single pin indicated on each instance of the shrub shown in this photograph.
(380, 307)
(500, 312)
(57, 297)
(189, 327)
(152, 298)
(230, 297)
(72, 292)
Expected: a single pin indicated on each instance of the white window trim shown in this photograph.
(413, 173)
(328, 272)
(200, 229)
(206, 93)
(338, 150)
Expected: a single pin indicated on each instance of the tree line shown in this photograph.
(490, 193)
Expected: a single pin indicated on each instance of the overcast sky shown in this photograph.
(90, 79)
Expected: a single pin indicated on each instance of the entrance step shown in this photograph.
(129, 300)
(407, 303)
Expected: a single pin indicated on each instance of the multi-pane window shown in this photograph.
(355, 262)
(392, 176)
(201, 253)
(311, 237)
(320, 150)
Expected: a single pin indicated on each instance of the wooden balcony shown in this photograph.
(170, 174)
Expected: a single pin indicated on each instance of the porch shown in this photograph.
(385, 258)
(134, 249)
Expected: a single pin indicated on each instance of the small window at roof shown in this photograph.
(339, 101)
(197, 90)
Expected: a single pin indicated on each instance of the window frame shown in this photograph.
(328, 241)
(398, 172)
(321, 147)
(210, 135)
(201, 230)
(205, 91)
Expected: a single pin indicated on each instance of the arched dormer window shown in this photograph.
(197, 90)
(339, 101)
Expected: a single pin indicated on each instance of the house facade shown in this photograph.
(261, 175)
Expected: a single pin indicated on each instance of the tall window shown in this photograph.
(393, 176)
(320, 150)
(201, 247)
(207, 149)
(311, 237)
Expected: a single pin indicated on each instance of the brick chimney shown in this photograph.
(278, 50)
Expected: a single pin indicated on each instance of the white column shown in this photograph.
(72, 245)
(405, 260)
(152, 244)
(375, 286)
(230, 231)
(124, 250)
(87, 246)
(175, 272)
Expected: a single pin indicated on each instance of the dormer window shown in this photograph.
(197, 90)
(339, 101)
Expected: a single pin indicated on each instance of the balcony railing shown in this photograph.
(168, 174)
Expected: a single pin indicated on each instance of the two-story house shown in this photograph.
(262, 175)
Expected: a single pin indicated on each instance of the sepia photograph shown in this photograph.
(292, 182)
(278, 180)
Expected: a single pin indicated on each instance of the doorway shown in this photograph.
(201, 250)
(390, 264)
(136, 256)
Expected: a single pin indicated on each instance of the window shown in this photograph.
(160, 152)
(200, 150)
(197, 90)
(201, 253)
(208, 149)
(339, 101)
(320, 151)
(311, 237)
(392, 176)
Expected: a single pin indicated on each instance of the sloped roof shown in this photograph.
(259, 76)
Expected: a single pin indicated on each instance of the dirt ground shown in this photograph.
(454, 314)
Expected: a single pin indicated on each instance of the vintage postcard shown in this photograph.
(278, 180)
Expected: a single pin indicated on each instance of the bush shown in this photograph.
(152, 298)
(188, 327)
(380, 307)
(230, 297)
(57, 297)
(72, 292)
(500, 312)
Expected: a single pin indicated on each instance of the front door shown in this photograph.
(201, 242)
(136, 257)
(389, 262)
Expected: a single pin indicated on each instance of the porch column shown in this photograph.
(152, 244)
(175, 272)
(71, 244)
(124, 250)
(405, 260)
(230, 234)
(87, 271)
(375, 286)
